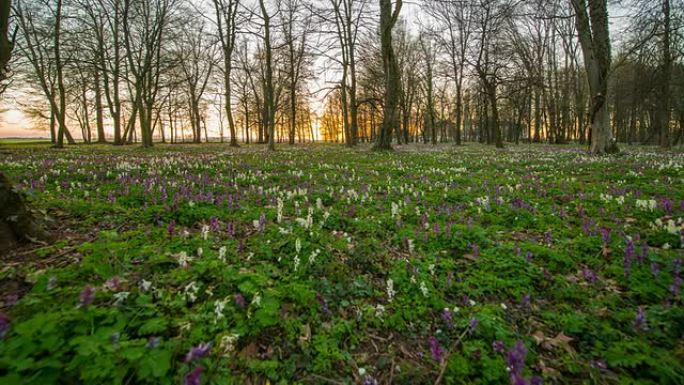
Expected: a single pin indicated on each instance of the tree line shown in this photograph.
(492, 71)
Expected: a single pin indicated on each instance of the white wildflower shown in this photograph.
(222, 254)
(145, 285)
(314, 254)
(279, 216)
(183, 259)
(120, 297)
(390, 290)
(219, 306)
(256, 301)
(205, 232)
(423, 289)
(395, 210)
(190, 292)
(646, 204)
(228, 344)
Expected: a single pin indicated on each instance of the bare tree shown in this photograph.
(427, 47)
(454, 19)
(144, 24)
(196, 58)
(269, 90)
(227, 23)
(40, 43)
(296, 28)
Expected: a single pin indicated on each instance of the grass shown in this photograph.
(319, 264)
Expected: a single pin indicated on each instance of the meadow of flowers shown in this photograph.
(314, 265)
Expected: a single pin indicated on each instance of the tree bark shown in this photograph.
(388, 18)
(592, 26)
(17, 224)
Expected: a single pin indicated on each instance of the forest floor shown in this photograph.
(319, 264)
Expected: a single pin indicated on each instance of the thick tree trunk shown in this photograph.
(388, 19)
(592, 27)
(16, 222)
(5, 43)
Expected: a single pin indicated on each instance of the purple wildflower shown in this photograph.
(605, 235)
(171, 228)
(475, 249)
(197, 352)
(194, 377)
(589, 275)
(113, 284)
(87, 296)
(214, 224)
(515, 360)
(472, 325)
(448, 318)
(667, 205)
(586, 227)
(262, 222)
(640, 319)
(4, 325)
(529, 256)
(675, 288)
(677, 266)
(369, 380)
(629, 256)
(435, 349)
(548, 237)
(450, 278)
(230, 229)
(644, 251)
(240, 300)
(655, 269)
(498, 346)
(323, 303)
(525, 301)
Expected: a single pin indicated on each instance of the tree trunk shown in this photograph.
(665, 77)
(98, 109)
(17, 224)
(388, 19)
(5, 43)
(592, 27)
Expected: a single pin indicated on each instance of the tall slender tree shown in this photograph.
(388, 18)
